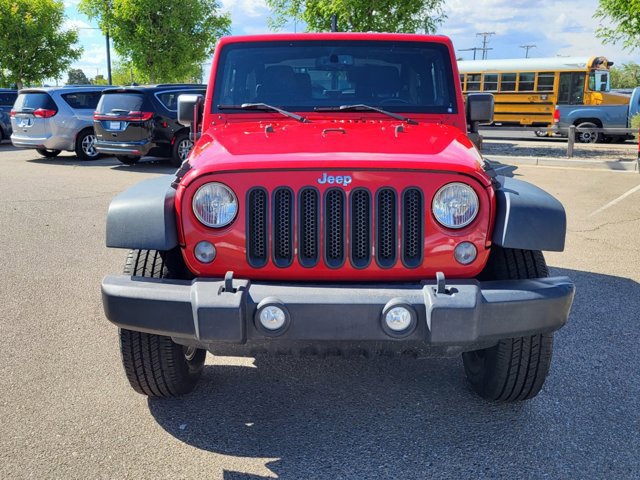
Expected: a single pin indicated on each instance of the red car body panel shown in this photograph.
(246, 149)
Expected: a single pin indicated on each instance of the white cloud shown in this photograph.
(556, 28)
(245, 8)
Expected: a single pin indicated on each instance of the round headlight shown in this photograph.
(215, 205)
(455, 205)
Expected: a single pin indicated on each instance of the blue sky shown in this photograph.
(556, 28)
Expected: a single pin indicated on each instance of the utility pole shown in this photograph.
(334, 23)
(485, 40)
(474, 49)
(108, 59)
(527, 48)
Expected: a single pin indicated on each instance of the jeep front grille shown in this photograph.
(335, 227)
(257, 243)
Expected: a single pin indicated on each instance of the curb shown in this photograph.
(611, 165)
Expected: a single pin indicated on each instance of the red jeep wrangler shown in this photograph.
(333, 202)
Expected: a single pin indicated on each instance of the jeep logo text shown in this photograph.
(343, 180)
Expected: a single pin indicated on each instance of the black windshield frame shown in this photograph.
(397, 76)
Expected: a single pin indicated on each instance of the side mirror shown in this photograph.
(479, 110)
(190, 112)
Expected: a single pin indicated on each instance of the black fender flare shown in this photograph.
(143, 216)
(527, 217)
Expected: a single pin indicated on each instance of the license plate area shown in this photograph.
(24, 121)
(115, 125)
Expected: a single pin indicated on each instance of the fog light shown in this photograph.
(398, 318)
(465, 253)
(205, 252)
(272, 318)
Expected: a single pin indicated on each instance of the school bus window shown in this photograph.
(490, 82)
(545, 81)
(508, 82)
(462, 80)
(526, 82)
(473, 82)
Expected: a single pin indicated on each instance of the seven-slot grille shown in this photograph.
(358, 227)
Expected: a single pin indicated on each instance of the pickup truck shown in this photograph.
(586, 117)
(334, 204)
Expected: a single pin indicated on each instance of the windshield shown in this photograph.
(599, 81)
(304, 75)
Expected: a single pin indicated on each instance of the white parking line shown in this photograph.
(617, 200)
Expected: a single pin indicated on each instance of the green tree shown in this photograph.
(32, 43)
(99, 80)
(165, 40)
(409, 16)
(77, 77)
(626, 75)
(625, 18)
(125, 73)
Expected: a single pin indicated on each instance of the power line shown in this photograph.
(474, 49)
(485, 41)
(527, 48)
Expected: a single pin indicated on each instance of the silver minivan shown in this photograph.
(52, 119)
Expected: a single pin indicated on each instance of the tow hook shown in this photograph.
(441, 285)
(228, 283)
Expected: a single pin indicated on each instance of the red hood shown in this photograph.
(331, 144)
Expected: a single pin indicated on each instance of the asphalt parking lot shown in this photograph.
(68, 412)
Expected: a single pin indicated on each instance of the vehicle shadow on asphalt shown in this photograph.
(418, 418)
(146, 165)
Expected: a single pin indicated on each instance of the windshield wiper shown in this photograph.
(263, 106)
(361, 107)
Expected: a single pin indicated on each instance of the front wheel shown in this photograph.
(155, 365)
(48, 153)
(516, 368)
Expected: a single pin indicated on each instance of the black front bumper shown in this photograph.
(205, 312)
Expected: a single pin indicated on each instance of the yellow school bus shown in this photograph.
(526, 90)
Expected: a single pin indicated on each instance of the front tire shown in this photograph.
(155, 365)
(86, 145)
(516, 368)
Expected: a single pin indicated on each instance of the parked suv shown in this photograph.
(131, 122)
(7, 98)
(334, 203)
(53, 119)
